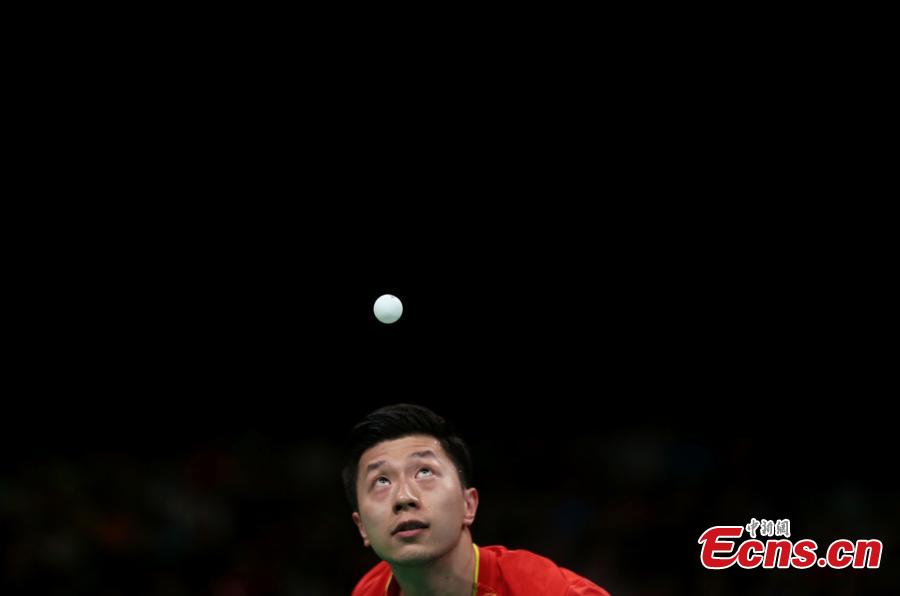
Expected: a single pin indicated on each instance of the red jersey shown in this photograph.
(498, 572)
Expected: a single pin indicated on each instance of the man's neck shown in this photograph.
(450, 575)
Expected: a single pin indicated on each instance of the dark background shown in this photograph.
(646, 285)
(181, 407)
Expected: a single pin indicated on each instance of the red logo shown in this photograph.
(720, 550)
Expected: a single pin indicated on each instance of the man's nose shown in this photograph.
(405, 499)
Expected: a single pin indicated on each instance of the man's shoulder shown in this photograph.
(374, 581)
(523, 570)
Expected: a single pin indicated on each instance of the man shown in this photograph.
(408, 480)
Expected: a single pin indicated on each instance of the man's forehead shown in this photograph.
(397, 449)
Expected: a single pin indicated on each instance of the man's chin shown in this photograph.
(410, 555)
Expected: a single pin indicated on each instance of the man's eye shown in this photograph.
(426, 472)
(381, 481)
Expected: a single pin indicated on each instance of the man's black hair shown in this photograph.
(395, 422)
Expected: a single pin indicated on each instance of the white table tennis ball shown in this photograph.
(388, 308)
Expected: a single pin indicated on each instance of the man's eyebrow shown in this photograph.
(377, 464)
(374, 466)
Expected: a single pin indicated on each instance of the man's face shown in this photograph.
(408, 483)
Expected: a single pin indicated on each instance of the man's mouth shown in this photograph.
(408, 527)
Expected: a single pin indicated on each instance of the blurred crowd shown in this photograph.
(249, 514)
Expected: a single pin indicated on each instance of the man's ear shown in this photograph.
(471, 497)
(362, 531)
